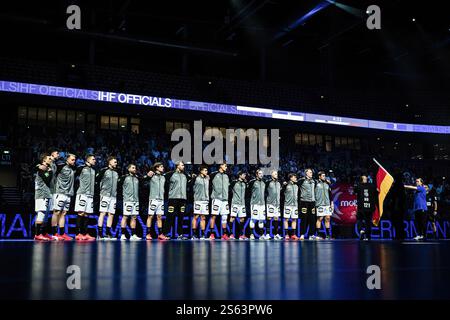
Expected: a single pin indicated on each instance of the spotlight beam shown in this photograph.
(349, 9)
(322, 5)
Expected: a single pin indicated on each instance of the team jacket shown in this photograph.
(220, 184)
(176, 185)
(307, 187)
(130, 188)
(42, 183)
(108, 179)
(201, 188)
(258, 191)
(238, 188)
(87, 181)
(156, 184)
(273, 192)
(366, 195)
(65, 181)
(54, 168)
(291, 194)
(323, 194)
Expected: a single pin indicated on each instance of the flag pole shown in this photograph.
(381, 166)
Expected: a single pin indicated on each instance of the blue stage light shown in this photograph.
(322, 5)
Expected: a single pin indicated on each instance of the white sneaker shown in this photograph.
(362, 235)
(302, 237)
(268, 237)
(202, 238)
(313, 237)
(252, 237)
(123, 238)
(417, 238)
(135, 238)
(263, 237)
(277, 237)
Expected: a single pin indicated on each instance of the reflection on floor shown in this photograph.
(225, 270)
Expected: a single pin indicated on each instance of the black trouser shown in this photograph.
(308, 216)
(175, 207)
(365, 219)
(420, 217)
(397, 222)
(430, 216)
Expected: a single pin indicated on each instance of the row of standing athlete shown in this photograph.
(307, 197)
(216, 195)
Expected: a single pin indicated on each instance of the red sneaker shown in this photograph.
(232, 237)
(40, 237)
(79, 237)
(59, 237)
(225, 237)
(66, 237)
(294, 237)
(162, 237)
(49, 237)
(286, 237)
(88, 237)
(212, 236)
(148, 237)
(243, 238)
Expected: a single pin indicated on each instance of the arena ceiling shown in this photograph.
(311, 43)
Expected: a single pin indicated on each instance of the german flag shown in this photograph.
(384, 183)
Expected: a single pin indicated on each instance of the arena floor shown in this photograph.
(225, 270)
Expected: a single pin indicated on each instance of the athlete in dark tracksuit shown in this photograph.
(367, 198)
(176, 189)
(432, 206)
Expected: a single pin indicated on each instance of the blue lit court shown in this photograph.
(225, 270)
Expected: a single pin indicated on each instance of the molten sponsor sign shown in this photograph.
(345, 203)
